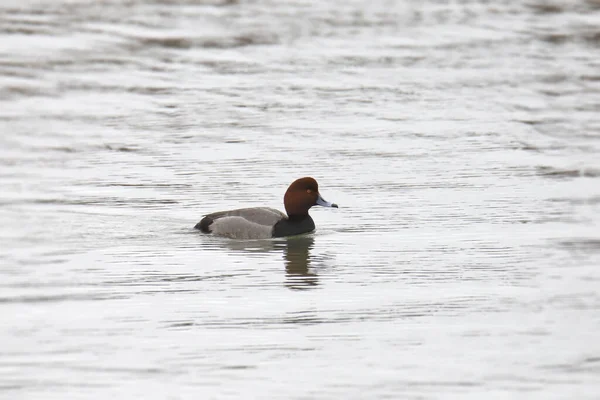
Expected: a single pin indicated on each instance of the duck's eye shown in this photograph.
(308, 191)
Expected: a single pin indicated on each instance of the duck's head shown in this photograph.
(302, 194)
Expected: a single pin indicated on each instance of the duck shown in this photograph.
(266, 222)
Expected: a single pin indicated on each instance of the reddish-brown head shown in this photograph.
(302, 194)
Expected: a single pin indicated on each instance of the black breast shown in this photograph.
(293, 226)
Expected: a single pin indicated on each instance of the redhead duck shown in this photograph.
(265, 222)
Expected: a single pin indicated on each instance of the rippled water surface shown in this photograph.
(461, 140)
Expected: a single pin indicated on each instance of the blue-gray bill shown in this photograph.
(322, 202)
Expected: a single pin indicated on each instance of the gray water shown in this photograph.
(460, 138)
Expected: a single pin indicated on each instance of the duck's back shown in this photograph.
(243, 223)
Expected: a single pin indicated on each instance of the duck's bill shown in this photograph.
(322, 202)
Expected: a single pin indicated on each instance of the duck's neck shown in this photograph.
(298, 217)
(294, 225)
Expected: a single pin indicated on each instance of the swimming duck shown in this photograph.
(265, 222)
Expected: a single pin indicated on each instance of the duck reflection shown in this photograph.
(297, 263)
(252, 246)
(296, 256)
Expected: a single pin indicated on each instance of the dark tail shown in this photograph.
(204, 224)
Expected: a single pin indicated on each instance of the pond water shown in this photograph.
(461, 140)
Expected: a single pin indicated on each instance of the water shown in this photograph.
(461, 140)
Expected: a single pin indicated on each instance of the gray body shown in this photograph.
(243, 223)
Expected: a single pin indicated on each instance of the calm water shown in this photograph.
(461, 140)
